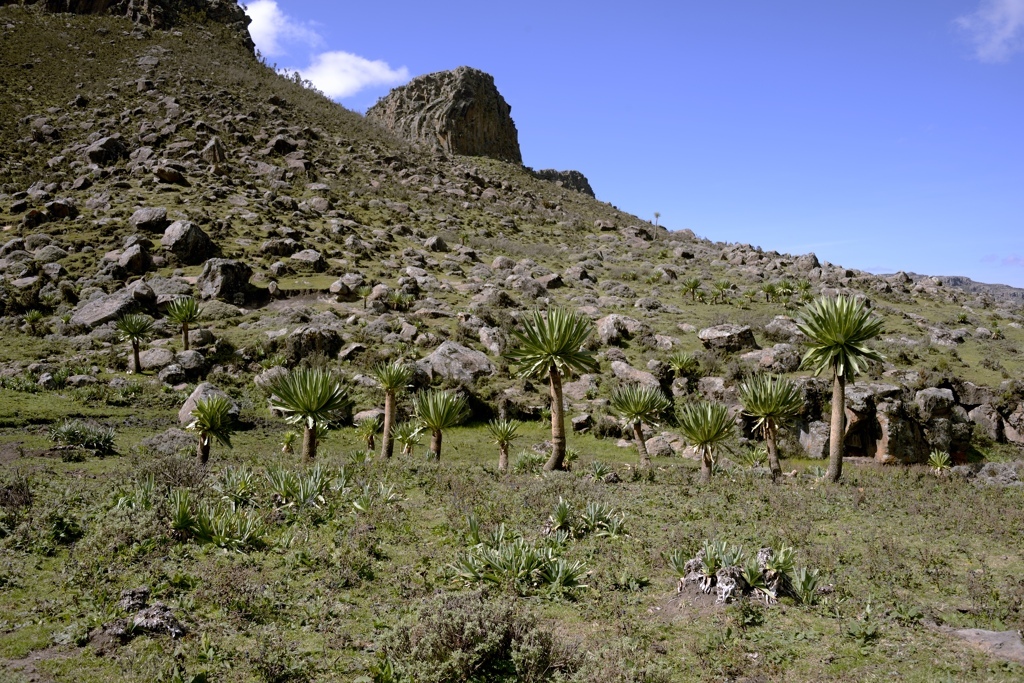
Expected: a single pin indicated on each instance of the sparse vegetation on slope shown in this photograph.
(285, 258)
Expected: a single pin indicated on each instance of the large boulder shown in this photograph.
(106, 308)
(781, 358)
(453, 361)
(204, 390)
(783, 328)
(899, 438)
(312, 339)
(727, 338)
(106, 150)
(933, 403)
(614, 329)
(156, 358)
(308, 260)
(627, 374)
(224, 279)
(187, 242)
(457, 112)
(150, 219)
(990, 421)
(814, 439)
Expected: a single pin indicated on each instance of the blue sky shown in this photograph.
(879, 135)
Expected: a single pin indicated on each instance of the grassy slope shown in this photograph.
(323, 596)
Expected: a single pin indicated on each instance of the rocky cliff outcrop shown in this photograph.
(458, 112)
(572, 180)
(160, 14)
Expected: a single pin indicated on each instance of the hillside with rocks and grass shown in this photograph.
(209, 271)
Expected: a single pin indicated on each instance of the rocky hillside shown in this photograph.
(143, 164)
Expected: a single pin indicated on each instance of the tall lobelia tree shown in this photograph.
(551, 346)
(706, 426)
(393, 377)
(503, 433)
(438, 411)
(184, 311)
(638, 404)
(211, 419)
(310, 397)
(773, 402)
(838, 329)
(134, 328)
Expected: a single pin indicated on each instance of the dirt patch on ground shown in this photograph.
(9, 452)
(27, 667)
(686, 605)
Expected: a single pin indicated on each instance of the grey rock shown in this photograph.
(614, 328)
(106, 150)
(582, 423)
(630, 375)
(582, 388)
(814, 439)
(172, 374)
(187, 242)
(268, 377)
(224, 279)
(106, 308)
(192, 363)
(452, 361)
(156, 358)
(659, 447)
(727, 338)
(781, 358)
(783, 328)
(312, 339)
(50, 253)
(201, 337)
(309, 259)
(135, 260)
(1000, 474)
(990, 421)
(435, 243)
(153, 219)
(934, 402)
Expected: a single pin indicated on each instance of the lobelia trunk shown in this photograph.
(203, 450)
(773, 454)
(503, 458)
(557, 459)
(309, 443)
(135, 357)
(435, 444)
(638, 434)
(837, 430)
(705, 466)
(184, 336)
(387, 444)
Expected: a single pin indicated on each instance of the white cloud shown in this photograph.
(342, 74)
(336, 73)
(271, 29)
(996, 28)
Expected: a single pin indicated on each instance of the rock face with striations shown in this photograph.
(458, 112)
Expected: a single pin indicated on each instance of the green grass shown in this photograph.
(338, 582)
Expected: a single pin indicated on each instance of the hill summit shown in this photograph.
(457, 112)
